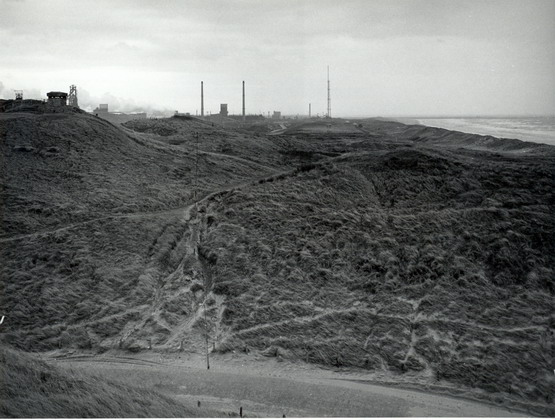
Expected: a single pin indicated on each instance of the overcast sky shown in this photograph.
(390, 57)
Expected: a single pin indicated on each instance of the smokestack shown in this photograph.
(243, 100)
(329, 97)
(201, 99)
(309, 110)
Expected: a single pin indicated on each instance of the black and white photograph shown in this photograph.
(277, 208)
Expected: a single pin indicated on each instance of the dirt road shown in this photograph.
(270, 388)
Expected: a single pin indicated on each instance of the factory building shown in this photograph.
(116, 117)
(223, 110)
(101, 108)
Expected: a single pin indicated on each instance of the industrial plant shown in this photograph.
(236, 237)
(55, 102)
(116, 117)
(350, 217)
(58, 101)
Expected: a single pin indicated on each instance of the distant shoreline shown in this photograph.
(531, 129)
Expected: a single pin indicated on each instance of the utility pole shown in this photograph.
(196, 170)
(206, 336)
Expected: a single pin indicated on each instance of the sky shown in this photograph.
(386, 57)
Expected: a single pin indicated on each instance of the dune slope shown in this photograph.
(421, 253)
(32, 388)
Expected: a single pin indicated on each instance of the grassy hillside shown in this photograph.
(31, 388)
(90, 215)
(420, 253)
(63, 168)
(405, 261)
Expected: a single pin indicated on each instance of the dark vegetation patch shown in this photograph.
(82, 283)
(360, 250)
(410, 260)
(151, 127)
(75, 168)
(108, 241)
(33, 388)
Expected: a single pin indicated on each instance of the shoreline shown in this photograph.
(478, 126)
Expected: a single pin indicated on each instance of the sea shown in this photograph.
(534, 129)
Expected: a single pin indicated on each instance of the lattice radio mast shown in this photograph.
(202, 99)
(329, 97)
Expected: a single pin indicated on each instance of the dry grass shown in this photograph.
(89, 234)
(79, 167)
(31, 388)
(411, 260)
(381, 251)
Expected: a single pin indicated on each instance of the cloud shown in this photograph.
(115, 103)
(159, 51)
(9, 92)
(88, 102)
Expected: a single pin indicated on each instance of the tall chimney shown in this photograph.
(243, 100)
(201, 99)
(309, 110)
(329, 97)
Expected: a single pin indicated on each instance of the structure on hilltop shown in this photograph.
(223, 110)
(243, 100)
(328, 115)
(55, 102)
(72, 98)
(56, 99)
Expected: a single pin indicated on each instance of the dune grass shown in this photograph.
(79, 167)
(407, 261)
(32, 388)
(423, 257)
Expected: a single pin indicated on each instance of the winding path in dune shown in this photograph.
(270, 388)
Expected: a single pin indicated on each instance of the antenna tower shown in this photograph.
(329, 98)
(72, 98)
(243, 100)
(202, 99)
(195, 174)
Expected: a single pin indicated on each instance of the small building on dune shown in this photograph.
(56, 99)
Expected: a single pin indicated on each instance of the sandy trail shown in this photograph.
(182, 210)
(270, 388)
